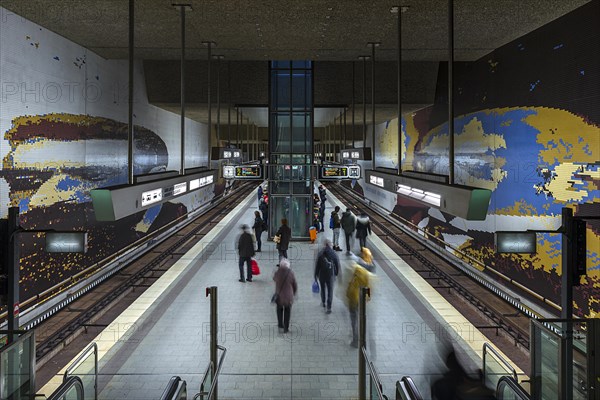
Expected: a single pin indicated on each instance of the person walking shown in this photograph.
(258, 227)
(363, 227)
(323, 197)
(285, 289)
(336, 226)
(246, 252)
(365, 259)
(360, 278)
(348, 223)
(326, 270)
(264, 209)
(285, 234)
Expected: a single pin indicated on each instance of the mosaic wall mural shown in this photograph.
(527, 127)
(63, 132)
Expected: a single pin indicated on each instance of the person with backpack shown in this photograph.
(259, 226)
(363, 227)
(335, 224)
(348, 223)
(326, 269)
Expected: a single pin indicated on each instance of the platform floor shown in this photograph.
(166, 331)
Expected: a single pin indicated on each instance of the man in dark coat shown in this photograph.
(363, 227)
(246, 252)
(285, 234)
(323, 197)
(348, 225)
(326, 269)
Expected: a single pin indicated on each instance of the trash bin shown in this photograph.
(312, 233)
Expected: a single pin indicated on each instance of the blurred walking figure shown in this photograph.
(285, 234)
(336, 226)
(246, 252)
(365, 260)
(456, 384)
(360, 278)
(326, 270)
(363, 227)
(285, 288)
(259, 226)
(260, 194)
(348, 223)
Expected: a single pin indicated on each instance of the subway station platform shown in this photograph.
(165, 332)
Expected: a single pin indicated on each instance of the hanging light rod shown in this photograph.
(186, 6)
(403, 9)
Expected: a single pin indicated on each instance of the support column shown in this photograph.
(373, 45)
(451, 91)
(364, 133)
(209, 45)
(218, 58)
(130, 127)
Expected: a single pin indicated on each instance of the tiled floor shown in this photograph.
(313, 361)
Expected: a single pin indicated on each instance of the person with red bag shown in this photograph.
(246, 252)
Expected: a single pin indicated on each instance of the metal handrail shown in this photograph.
(92, 348)
(209, 368)
(411, 388)
(487, 347)
(374, 375)
(515, 388)
(63, 389)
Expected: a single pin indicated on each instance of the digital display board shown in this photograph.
(250, 171)
(516, 242)
(335, 172)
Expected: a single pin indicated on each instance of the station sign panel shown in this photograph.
(516, 242)
(354, 155)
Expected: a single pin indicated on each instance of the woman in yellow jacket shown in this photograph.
(360, 277)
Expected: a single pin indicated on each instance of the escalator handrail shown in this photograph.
(514, 386)
(414, 393)
(488, 348)
(68, 384)
(173, 389)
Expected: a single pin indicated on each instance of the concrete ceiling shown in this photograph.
(252, 31)
(300, 29)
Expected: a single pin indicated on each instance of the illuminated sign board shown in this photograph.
(249, 171)
(428, 197)
(376, 180)
(151, 197)
(66, 242)
(516, 242)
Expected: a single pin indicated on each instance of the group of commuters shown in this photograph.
(350, 223)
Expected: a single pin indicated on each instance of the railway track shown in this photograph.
(502, 312)
(131, 281)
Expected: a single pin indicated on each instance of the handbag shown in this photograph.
(254, 267)
(275, 296)
(315, 287)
